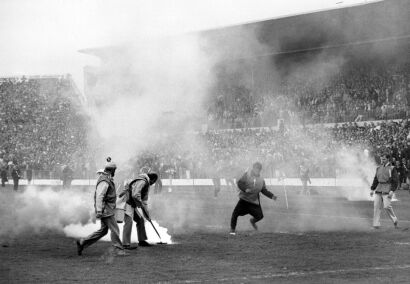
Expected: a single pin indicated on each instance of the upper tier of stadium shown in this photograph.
(42, 121)
(341, 65)
(352, 25)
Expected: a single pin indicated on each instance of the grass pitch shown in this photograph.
(319, 239)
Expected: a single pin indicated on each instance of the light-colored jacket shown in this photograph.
(386, 179)
(105, 196)
(138, 193)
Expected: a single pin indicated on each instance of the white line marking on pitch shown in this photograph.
(305, 214)
(298, 274)
(332, 216)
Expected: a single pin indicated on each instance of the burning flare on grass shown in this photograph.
(81, 231)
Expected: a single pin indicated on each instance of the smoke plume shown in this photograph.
(36, 210)
(356, 169)
(147, 92)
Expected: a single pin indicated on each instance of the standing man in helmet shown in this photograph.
(136, 196)
(384, 184)
(104, 202)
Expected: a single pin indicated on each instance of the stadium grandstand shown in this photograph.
(43, 124)
(294, 74)
(306, 77)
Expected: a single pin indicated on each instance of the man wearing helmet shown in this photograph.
(136, 196)
(104, 202)
(384, 184)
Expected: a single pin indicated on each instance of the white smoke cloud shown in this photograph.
(36, 210)
(65, 211)
(357, 169)
(148, 91)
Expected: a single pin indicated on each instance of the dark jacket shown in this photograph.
(255, 185)
(67, 173)
(3, 173)
(15, 172)
(136, 196)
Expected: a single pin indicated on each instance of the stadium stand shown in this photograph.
(350, 79)
(228, 152)
(359, 91)
(42, 126)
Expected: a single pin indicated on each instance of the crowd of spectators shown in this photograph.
(319, 113)
(41, 125)
(44, 129)
(357, 91)
(226, 153)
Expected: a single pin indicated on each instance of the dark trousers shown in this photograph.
(243, 208)
(3, 179)
(126, 233)
(16, 183)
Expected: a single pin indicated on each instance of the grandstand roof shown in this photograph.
(376, 21)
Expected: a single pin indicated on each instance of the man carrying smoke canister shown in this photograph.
(104, 202)
(136, 196)
(384, 184)
(250, 185)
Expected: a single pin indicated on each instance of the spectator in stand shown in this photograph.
(3, 172)
(402, 172)
(29, 172)
(67, 176)
(304, 177)
(15, 174)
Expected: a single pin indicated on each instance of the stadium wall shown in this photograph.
(316, 182)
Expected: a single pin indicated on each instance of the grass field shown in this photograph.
(318, 239)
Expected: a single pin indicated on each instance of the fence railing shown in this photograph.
(182, 174)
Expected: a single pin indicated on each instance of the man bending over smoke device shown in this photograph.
(250, 185)
(136, 196)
